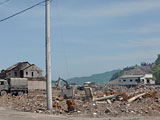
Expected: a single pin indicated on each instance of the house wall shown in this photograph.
(2, 75)
(37, 85)
(152, 82)
(13, 74)
(33, 71)
(147, 79)
(143, 80)
(148, 76)
(128, 81)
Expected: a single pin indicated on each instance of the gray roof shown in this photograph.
(113, 82)
(17, 65)
(21, 66)
(131, 76)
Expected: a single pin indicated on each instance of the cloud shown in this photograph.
(145, 29)
(77, 15)
(87, 65)
(115, 9)
(121, 58)
(145, 42)
(154, 28)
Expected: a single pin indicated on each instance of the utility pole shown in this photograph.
(48, 55)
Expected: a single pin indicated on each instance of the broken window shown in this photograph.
(1, 83)
(15, 73)
(138, 80)
(32, 74)
(26, 73)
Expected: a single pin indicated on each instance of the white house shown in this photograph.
(137, 79)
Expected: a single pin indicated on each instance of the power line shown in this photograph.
(4, 2)
(21, 11)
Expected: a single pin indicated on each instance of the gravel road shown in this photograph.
(16, 115)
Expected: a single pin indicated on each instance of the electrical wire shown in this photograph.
(5, 1)
(4, 19)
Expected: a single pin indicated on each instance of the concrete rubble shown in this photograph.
(107, 101)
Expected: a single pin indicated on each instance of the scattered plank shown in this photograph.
(135, 97)
(106, 97)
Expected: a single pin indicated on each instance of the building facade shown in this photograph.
(146, 79)
(36, 80)
(22, 70)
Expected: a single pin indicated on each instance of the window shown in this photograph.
(37, 73)
(26, 73)
(131, 80)
(1, 83)
(32, 74)
(139, 80)
(136, 80)
(124, 80)
(15, 73)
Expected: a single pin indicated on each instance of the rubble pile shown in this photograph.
(110, 101)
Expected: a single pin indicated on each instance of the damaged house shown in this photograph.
(22, 70)
(146, 79)
(25, 70)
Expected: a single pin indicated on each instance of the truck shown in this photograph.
(15, 86)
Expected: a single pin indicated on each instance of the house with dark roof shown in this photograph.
(22, 70)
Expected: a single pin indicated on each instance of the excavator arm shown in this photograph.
(66, 83)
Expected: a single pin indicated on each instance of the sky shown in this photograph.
(87, 36)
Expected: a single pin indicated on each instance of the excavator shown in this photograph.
(58, 85)
(66, 93)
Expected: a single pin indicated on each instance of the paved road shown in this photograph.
(15, 115)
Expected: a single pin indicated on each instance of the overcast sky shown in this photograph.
(87, 36)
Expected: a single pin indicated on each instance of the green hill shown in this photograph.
(97, 78)
(156, 70)
(144, 68)
(153, 68)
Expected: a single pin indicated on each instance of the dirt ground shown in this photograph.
(116, 108)
(17, 115)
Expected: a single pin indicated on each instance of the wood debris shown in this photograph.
(117, 101)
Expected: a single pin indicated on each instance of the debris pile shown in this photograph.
(111, 101)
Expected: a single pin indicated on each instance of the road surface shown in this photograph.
(16, 115)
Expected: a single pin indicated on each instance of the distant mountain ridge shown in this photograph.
(97, 78)
(144, 68)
